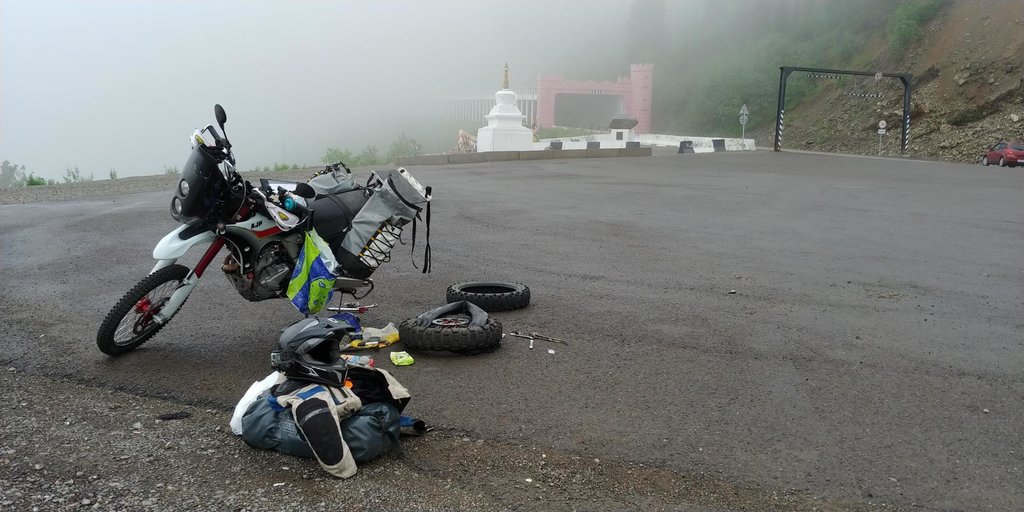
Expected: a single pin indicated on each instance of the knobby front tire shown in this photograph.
(130, 323)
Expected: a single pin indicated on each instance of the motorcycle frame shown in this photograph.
(243, 237)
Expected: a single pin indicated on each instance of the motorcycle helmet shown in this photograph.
(310, 351)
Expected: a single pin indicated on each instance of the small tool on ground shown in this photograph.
(536, 336)
(542, 337)
(518, 334)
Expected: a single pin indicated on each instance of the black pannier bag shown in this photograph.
(333, 214)
(362, 224)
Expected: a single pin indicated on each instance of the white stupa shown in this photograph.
(504, 130)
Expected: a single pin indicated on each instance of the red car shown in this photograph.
(1005, 153)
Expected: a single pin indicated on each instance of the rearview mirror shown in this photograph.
(222, 117)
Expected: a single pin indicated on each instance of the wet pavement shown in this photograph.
(842, 326)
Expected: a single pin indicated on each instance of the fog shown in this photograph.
(120, 85)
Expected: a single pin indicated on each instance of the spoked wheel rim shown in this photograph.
(451, 321)
(139, 320)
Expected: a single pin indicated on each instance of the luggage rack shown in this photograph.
(351, 286)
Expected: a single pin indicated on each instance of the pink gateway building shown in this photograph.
(559, 102)
(633, 93)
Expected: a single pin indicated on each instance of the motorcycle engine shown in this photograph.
(268, 279)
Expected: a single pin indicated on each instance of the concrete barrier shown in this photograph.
(466, 158)
(500, 156)
(700, 144)
(640, 151)
(422, 160)
(603, 153)
(544, 154)
(571, 153)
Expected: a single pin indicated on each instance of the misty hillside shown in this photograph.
(967, 60)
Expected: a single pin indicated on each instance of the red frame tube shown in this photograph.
(208, 257)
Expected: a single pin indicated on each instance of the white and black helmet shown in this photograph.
(310, 350)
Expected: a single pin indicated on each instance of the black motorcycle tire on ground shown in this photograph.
(457, 339)
(108, 329)
(489, 295)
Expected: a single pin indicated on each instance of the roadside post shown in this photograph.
(744, 117)
(881, 133)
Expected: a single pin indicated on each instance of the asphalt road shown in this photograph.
(873, 349)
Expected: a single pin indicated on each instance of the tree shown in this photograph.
(369, 156)
(32, 180)
(334, 155)
(403, 146)
(73, 175)
(11, 174)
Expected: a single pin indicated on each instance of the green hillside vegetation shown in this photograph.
(401, 146)
(904, 25)
(696, 94)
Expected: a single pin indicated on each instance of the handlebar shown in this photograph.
(222, 144)
(216, 135)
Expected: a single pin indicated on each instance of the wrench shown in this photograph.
(540, 336)
(518, 334)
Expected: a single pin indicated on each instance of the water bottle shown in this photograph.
(353, 360)
(294, 203)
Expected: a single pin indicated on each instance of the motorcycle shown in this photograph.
(263, 227)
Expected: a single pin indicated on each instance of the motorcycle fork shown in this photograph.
(185, 288)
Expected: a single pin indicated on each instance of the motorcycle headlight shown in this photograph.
(183, 187)
(176, 206)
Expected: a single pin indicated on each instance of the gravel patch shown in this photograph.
(71, 446)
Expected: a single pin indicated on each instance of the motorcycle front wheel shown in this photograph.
(130, 323)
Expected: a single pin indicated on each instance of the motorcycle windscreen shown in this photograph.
(200, 186)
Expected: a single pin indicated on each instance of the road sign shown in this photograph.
(881, 124)
(744, 111)
(881, 131)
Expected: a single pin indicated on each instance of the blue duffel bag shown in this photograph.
(372, 431)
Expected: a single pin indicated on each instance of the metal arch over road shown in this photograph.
(780, 114)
